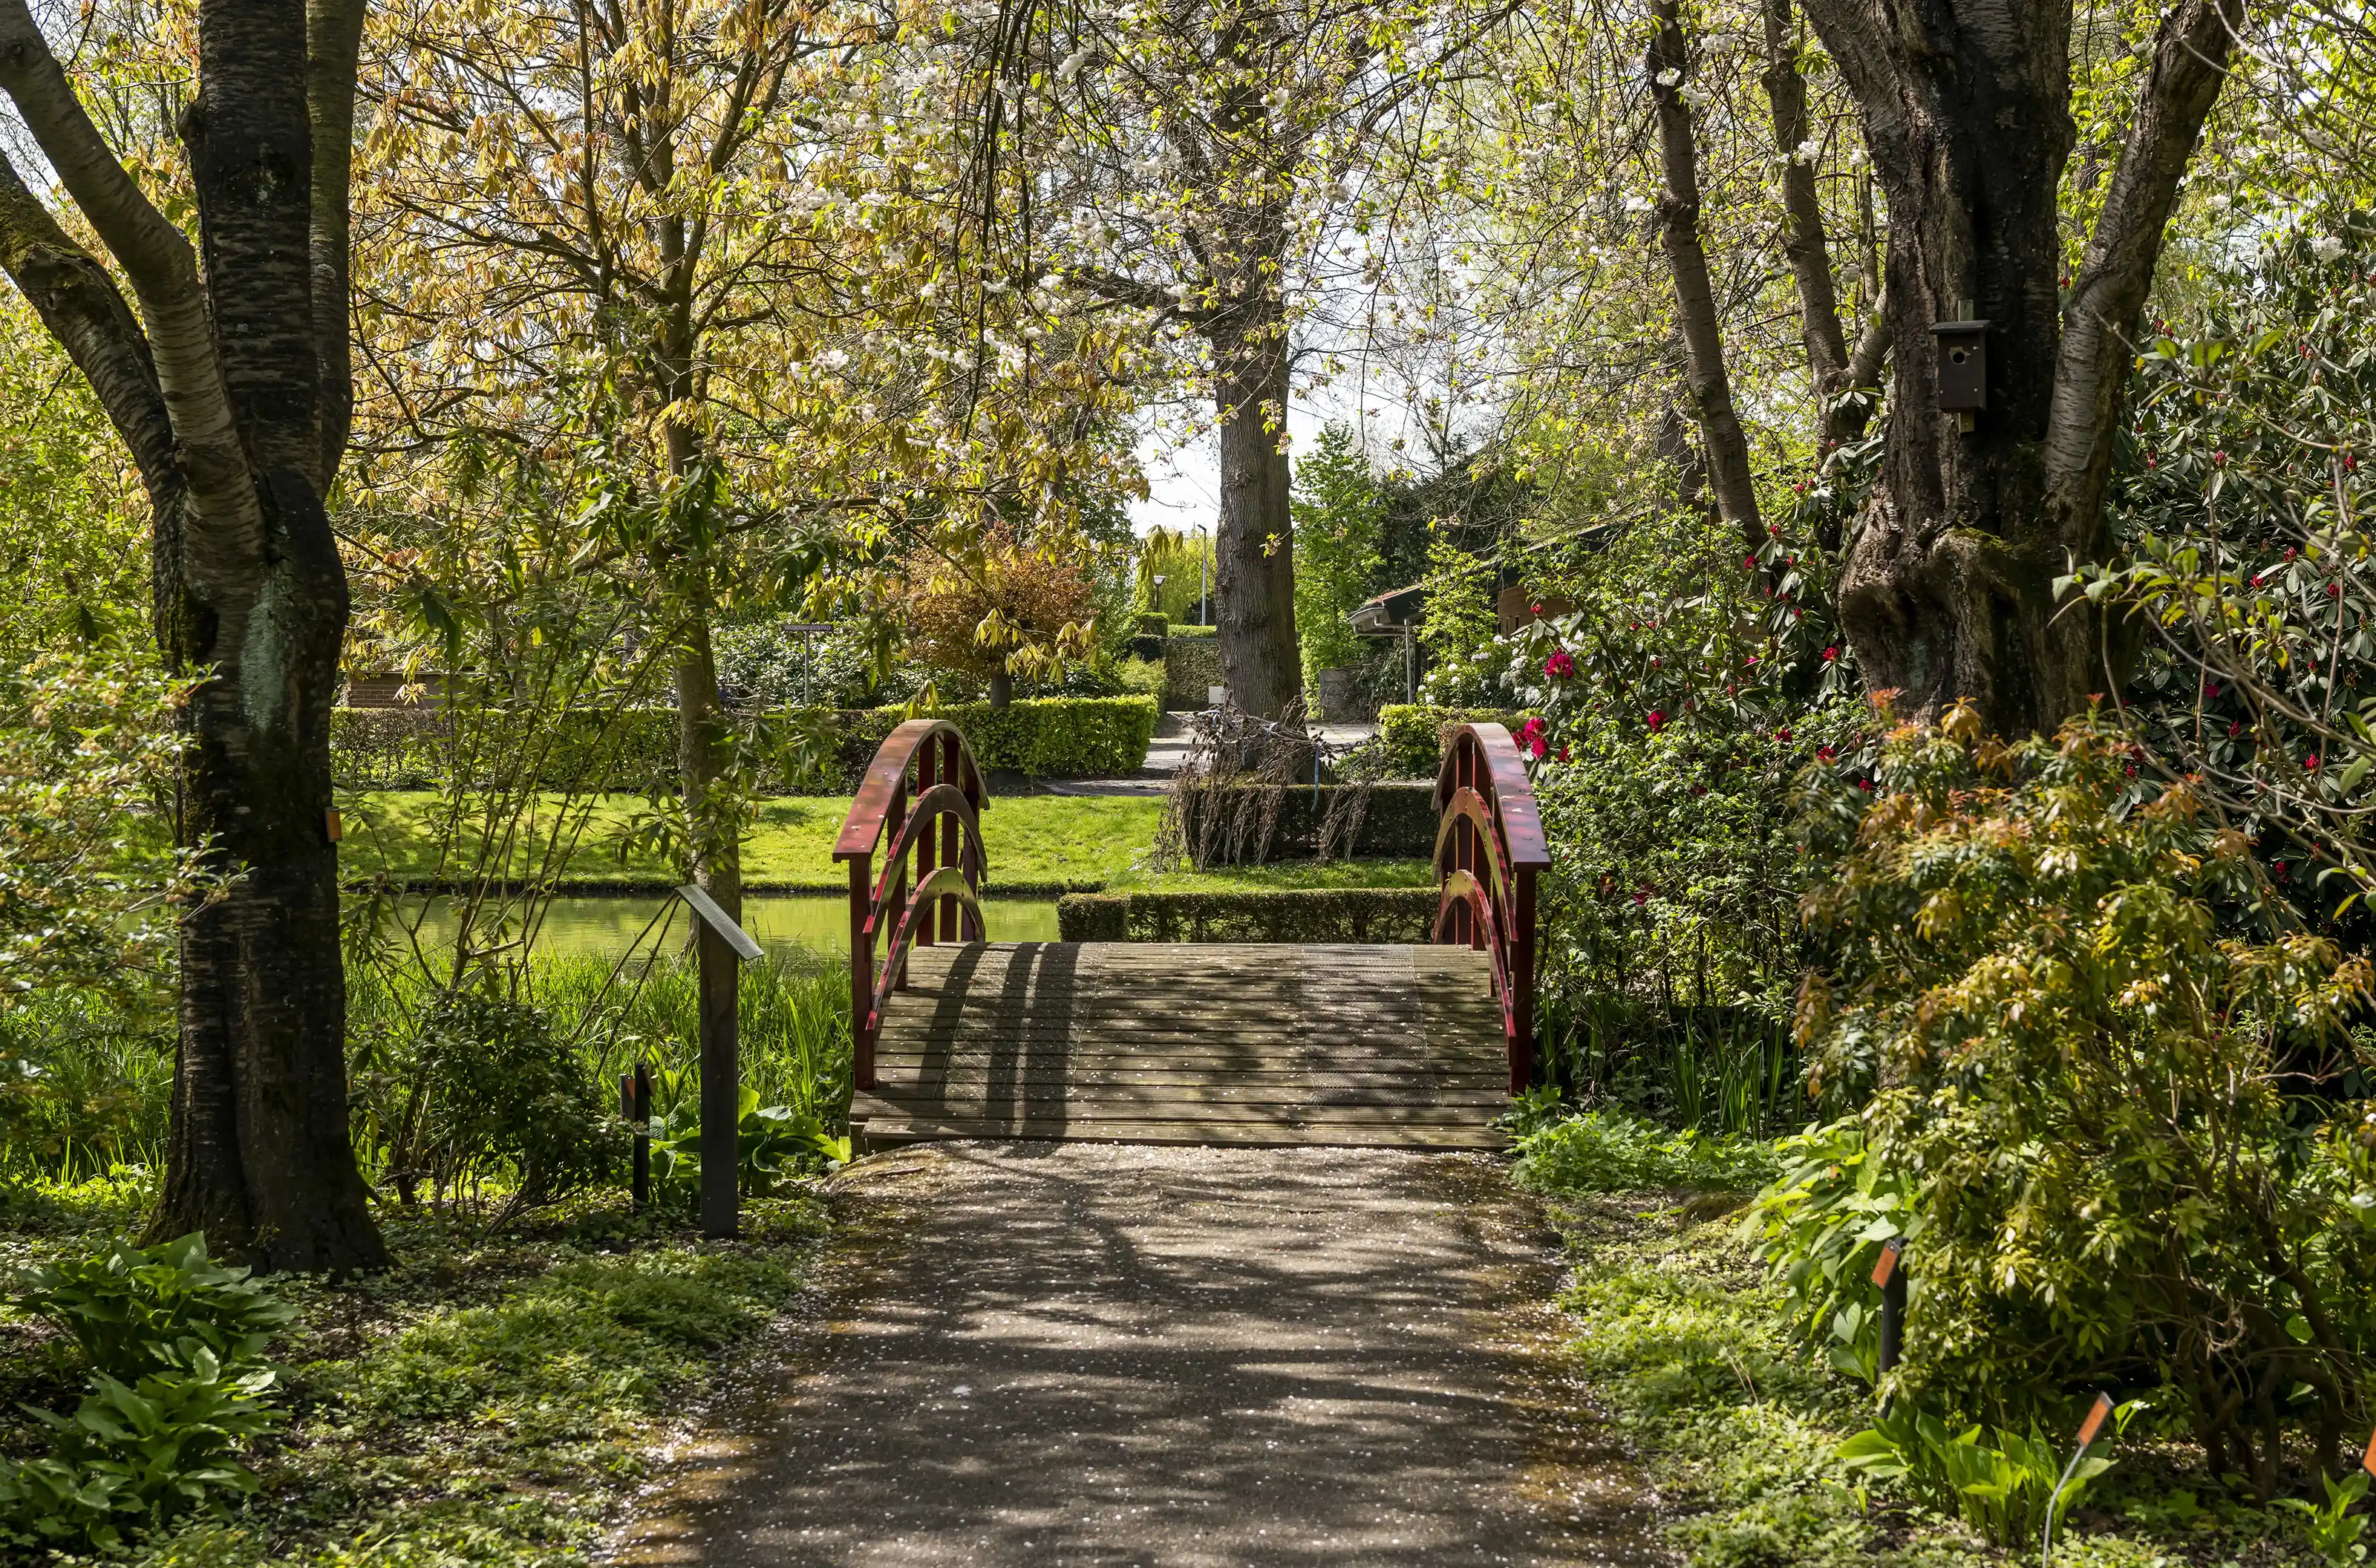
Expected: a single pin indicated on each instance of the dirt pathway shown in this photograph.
(1077, 1354)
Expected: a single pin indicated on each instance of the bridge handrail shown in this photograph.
(924, 788)
(1488, 849)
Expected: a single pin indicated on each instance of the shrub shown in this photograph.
(1415, 734)
(2122, 1171)
(1014, 611)
(138, 1454)
(494, 1095)
(771, 1141)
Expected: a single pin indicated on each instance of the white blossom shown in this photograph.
(2326, 247)
(1670, 76)
(1808, 153)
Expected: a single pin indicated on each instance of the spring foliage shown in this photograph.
(2106, 1102)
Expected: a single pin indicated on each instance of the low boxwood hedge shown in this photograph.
(1413, 734)
(1302, 914)
(634, 750)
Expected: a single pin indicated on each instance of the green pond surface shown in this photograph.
(780, 922)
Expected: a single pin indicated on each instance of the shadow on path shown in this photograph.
(1087, 1354)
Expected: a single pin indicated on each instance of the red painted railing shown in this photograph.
(1489, 847)
(924, 791)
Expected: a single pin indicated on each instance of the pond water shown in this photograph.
(779, 921)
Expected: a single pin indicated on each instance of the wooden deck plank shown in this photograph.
(1185, 1042)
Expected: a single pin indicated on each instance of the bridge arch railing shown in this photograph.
(1489, 850)
(924, 791)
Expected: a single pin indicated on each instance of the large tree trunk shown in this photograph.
(1726, 443)
(218, 390)
(1254, 591)
(1947, 589)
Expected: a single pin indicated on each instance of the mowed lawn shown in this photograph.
(1032, 840)
(1037, 839)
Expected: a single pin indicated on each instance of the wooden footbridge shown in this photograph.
(1396, 1046)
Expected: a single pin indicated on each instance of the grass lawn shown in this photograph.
(1032, 840)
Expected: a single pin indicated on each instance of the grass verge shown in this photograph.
(491, 1402)
(1680, 1336)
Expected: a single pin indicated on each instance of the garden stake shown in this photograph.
(2089, 1432)
(635, 1105)
(1892, 1281)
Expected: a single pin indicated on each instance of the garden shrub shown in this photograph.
(1608, 1151)
(137, 1311)
(634, 750)
(2122, 1173)
(491, 1093)
(1414, 735)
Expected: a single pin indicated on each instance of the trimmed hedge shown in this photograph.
(634, 750)
(1192, 668)
(1398, 819)
(1414, 735)
(1300, 914)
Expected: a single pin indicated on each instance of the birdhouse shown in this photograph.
(1963, 365)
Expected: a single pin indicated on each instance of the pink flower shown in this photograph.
(1656, 719)
(1563, 753)
(1560, 665)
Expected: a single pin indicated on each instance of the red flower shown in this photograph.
(1783, 733)
(1563, 753)
(2256, 579)
(2289, 552)
(1830, 654)
(2219, 460)
(1865, 785)
(2334, 590)
(2278, 871)
(1750, 660)
(1559, 666)
(1825, 754)
(2309, 764)
(2235, 727)
(1535, 608)
(1749, 565)
(1656, 719)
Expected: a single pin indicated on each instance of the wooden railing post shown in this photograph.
(862, 969)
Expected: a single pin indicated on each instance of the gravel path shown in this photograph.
(1075, 1354)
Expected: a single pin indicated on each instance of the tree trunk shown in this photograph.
(1678, 227)
(1254, 563)
(1947, 589)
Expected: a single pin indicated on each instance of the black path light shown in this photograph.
(723, 946)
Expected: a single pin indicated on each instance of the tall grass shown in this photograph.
(86, 1084)
(1714, 1069)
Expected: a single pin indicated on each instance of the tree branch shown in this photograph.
(1803, 216)
(164, 276)
(1679, 223)
(2189, 67)
(78, 302)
